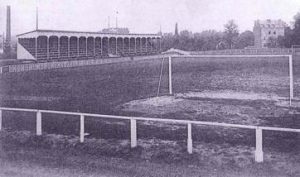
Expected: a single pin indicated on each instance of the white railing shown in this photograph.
(70, 63)
(133, 126)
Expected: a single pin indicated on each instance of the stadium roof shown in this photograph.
(59, 33)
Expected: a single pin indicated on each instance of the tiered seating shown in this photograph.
(90, 47)
(42, 48)
(132, 46)
(98, 44)
(126, 50)
(73, 47)
(112, 44)
(105, 49)
(53, 48)
(29, 45)
(120, 50)
(82, 47)
(64, 47)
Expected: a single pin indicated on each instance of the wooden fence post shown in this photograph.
(38, 123)
(81, 128)
(133, 133)
(189, 139)
(259, 156)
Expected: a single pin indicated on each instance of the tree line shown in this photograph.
(209, 39)
(229, 38)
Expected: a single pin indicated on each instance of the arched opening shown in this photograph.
(149, 45)
(73, 47)
(64, 47)
(98, 44)
(138, 46)
(126, 46)
(42, 47)
(82, 47)
(53, 47)
(112, 46)
(120, 47)
(132, 46)
(90, 47)
(143, 46)
(105, 47)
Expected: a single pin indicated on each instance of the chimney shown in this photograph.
(8, 32)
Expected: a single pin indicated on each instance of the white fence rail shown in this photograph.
(267, 51)
(133, 126)
(70, 63)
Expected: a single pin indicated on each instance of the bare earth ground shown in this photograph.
(250, 92)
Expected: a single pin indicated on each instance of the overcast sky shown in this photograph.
(143, 16)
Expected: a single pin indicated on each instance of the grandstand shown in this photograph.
(64, 45)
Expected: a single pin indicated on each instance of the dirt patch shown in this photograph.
(231, 95)
(222, 106)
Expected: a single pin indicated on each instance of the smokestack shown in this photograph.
(8, 31)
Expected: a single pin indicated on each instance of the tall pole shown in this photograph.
(117, 19)
(170, 76)
(291, 78)
(37, 19)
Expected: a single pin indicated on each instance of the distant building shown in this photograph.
(115, 30)
(265, 29)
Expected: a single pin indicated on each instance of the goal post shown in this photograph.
(289, 57)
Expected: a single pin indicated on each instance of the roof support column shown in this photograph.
(108, 46)
(116, 46)
(123, 50)
(48, 48)
(86, 43)
(135, 46)
(159, 45)
(101, 46)
(146, 47)
(94, 49)
(36, 46)
(69, 47)
(141, 45)
(129, 46)
(58, 48)
(77, 47)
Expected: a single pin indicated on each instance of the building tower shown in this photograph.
(7, 45)
(264, 30)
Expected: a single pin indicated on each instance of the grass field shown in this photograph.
(251, 91)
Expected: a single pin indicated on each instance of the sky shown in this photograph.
(143, 16)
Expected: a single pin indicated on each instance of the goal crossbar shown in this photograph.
(289, 57)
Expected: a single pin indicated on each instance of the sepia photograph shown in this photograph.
(149, 88)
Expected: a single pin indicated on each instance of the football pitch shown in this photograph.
(249, 91)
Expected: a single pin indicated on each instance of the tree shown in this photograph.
(245, 39)
(296, 30)
(231, 33)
